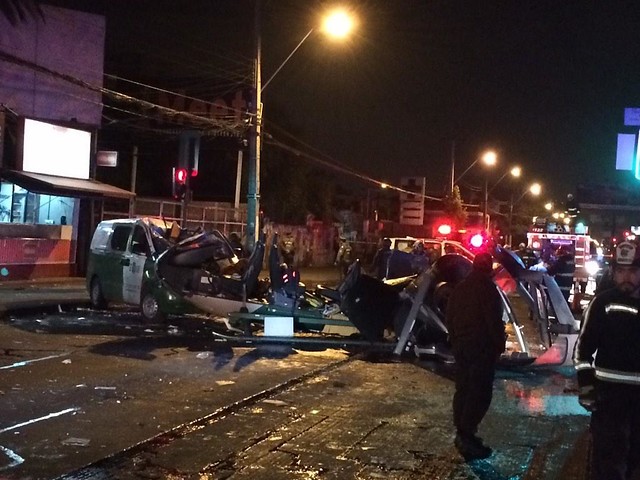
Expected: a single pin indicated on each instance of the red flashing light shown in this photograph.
(444, 229)
(477, 240)
(194, 172)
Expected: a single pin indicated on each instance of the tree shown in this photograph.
(453, 207)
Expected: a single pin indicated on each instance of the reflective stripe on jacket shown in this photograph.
(607, 346)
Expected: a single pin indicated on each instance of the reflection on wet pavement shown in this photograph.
(543, 392)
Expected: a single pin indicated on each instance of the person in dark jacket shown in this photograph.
(609, 382)
(563, 269)
(380, 262)
(477, 336)
(344, 257)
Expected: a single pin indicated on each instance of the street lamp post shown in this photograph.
(534, 189)
(515, 173)
(336, 24)
(489, 158)
(485, 203)
(367, 219)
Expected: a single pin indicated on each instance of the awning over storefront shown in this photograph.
(64, 186)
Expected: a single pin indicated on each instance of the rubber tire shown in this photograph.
(150, 309)
(96, 295)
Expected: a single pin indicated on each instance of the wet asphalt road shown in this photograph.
(105, 396)
(75, 388)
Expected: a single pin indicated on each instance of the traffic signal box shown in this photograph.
(188, 159)
(179, 185)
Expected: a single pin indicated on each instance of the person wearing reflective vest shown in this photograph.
(563, 270)
(607, 361)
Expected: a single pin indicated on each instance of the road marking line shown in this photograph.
(15, 458)
(39, 419)
(27, 362)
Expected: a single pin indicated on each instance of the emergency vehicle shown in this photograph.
(585, 250)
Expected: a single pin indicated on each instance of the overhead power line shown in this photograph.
(203, 122)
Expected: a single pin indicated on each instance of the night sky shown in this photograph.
(544, 83)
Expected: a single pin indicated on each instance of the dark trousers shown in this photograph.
(474, 390)
(615, 430)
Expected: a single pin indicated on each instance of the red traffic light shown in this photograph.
(180, 175)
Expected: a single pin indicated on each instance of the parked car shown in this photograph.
(439, 246)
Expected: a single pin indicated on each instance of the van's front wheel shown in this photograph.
(97, 295)
(151, 309)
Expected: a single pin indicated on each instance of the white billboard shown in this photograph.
(55, 150)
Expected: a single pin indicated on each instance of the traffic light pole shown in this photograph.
(184, 204)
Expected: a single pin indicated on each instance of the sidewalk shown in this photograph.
(42, 293)
(392, 420)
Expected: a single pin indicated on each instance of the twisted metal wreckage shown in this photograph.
(404, 315)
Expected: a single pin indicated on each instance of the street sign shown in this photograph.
(412, 204)
(632, 117)
(106, 158)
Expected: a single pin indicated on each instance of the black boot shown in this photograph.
(471, 447)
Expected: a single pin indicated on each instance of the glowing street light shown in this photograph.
(338, 24)
(534, 189)
(515, 172)
(548, 206)
(489, 158)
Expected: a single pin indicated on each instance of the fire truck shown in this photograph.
(586, 252)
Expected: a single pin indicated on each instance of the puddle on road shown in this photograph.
(547, 392)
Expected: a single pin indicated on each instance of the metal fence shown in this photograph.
(315, 242)
(205, 215)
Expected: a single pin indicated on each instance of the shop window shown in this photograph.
(18, 205)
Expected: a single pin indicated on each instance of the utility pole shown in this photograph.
(453, 167)
(134, 175)
(485, 226)
(236, 204)
(253, 190)
(510, 237)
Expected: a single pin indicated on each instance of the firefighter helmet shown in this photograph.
(627, 255)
